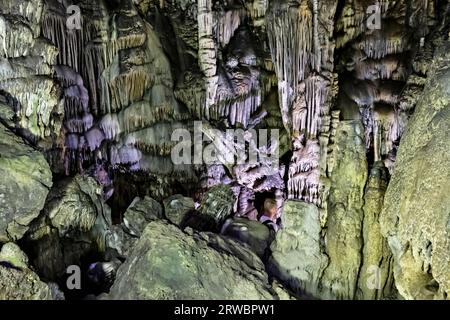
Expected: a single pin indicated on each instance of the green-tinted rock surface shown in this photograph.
(297, 258)
(177, 208)
(343, 239)
(75, 221)
(169, 264)
(416, 213)
(17, 281)
(24, 184)
(375, 279)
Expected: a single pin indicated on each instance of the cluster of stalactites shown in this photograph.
(384, 126)
(230, 94)
(380, 68)
(239, 96)
(304, 172)
(290, 33)
(300, 59)
(355, 17)
(308, 108)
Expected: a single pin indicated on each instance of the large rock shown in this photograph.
(17, 281)
(249, 232)
(416, 214)
(74, 223)
(25, 183)
(297, 258)
(177, 208)
(167, 263)
(138, 215)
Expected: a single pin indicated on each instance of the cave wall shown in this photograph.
(104, 99)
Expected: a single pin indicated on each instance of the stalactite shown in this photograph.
(17, 38)
(291, 42)
(69, 43)
(304, 172)
(155, 140)
(129, 88)
(145, 114)
(110, 126)
(390, 67)
(257, 8)
(384, 125)
(95, 63)
(77, 125)
(380, 43)
(237, 102)
(227, 24)
(94, 138)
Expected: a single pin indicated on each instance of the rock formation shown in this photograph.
(141, 136)
(186, 267)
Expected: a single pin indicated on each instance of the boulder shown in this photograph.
(26, 180)
(249, 232)
(177, 209)
(140, 213)
(17, 280)
(297, 257)
(167, 263)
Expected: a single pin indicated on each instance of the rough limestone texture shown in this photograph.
(376, 280)
(167, 263)
(25, 182)
(177, 208)
(416, 213)
(75, 221)
(17, 281)
(297, 258)
(138, 215)
(218, 203)
(343, 239)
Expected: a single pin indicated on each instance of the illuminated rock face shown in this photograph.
(26, 181)
(189, 267)
(415, 216)
(101, 87)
